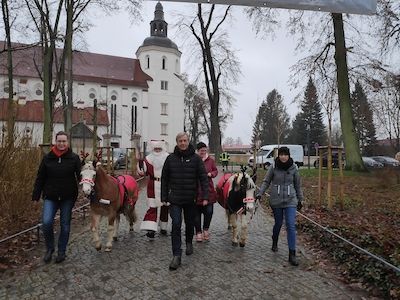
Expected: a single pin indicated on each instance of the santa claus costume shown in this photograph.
(152, 166)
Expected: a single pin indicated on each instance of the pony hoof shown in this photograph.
(108, 249)
(229, 227)
(98, 248)
(130, 229)
(242, 244)
(115, 238)
(234, 244)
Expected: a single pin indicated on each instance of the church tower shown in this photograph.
(160, 58)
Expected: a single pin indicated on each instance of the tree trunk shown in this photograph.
(353, 156)
(11, 105)
(94, 148)
(47, 95)
(68, 49)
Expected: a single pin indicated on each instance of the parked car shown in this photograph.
(118, 158)
(265, 156)
(335, 160)
(387, 161)
(371, 163)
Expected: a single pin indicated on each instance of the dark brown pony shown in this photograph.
(109, 197)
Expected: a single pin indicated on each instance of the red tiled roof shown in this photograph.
(32, 111)
(87, 67)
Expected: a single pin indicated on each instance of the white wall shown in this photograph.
(173, 96)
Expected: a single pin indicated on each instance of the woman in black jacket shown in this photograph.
(57, 182)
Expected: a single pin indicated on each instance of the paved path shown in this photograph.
(138, 269)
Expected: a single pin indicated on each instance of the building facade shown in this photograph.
(135, 96)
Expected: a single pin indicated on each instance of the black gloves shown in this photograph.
(299, 205)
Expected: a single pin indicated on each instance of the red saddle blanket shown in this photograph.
(128, 189)
(222, 189)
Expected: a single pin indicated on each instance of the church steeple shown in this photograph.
(158, 27)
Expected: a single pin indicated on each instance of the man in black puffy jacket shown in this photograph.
(183, 171)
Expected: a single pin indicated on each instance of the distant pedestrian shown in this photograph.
(204, 207)
(182, 173)
(285, 197)
(224, 158)
(57, 182)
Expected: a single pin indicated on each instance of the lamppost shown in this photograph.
(308, 144)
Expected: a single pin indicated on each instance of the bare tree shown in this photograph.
(195, 106)
(219, 65)
(327, 63)
(387, 109)
(11, 110)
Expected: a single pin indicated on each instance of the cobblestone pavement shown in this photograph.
(138, 269)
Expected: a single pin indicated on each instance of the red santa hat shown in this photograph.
(158, 144)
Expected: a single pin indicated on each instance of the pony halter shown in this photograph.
(88, 181)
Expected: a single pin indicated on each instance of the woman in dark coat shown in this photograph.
(285, 197)
(57, 182)
(203, 206)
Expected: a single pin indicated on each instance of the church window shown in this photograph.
(134, 99)
(92, 95)
(164, 128)
(39, 92)
(147, 62)
(164, 63)
(164, 85)
(6, 87)
(164, 107)
(133, 119)
(113, 97)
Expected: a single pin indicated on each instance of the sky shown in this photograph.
(265, 63)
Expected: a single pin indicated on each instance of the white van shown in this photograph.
(266, 155)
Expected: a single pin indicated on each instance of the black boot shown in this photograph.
(60, 257)
(150, 234)
(175, 263)
(48, 256)
(274, 247)
(189, 248)
(292, 258)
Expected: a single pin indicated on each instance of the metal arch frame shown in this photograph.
(362, 7)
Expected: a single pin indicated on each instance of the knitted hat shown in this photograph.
(201, 145)
(283, 151)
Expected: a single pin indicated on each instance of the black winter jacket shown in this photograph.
(181, 174)
(57, 178)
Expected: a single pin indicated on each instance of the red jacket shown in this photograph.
(211, 168)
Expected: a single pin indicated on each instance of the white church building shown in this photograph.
(142, 95)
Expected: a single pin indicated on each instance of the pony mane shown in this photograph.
(250, 182)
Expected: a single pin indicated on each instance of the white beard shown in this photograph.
(157, 161)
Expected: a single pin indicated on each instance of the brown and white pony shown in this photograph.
(236, 195)
(109, 197)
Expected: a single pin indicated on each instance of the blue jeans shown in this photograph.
(290, 218)
(175, 211)
(207, 211)
(50, 208)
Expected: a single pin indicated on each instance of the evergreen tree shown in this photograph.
(272, 121)
(363, 120)
(310, 114)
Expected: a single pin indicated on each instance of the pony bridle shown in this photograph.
(88, 178)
